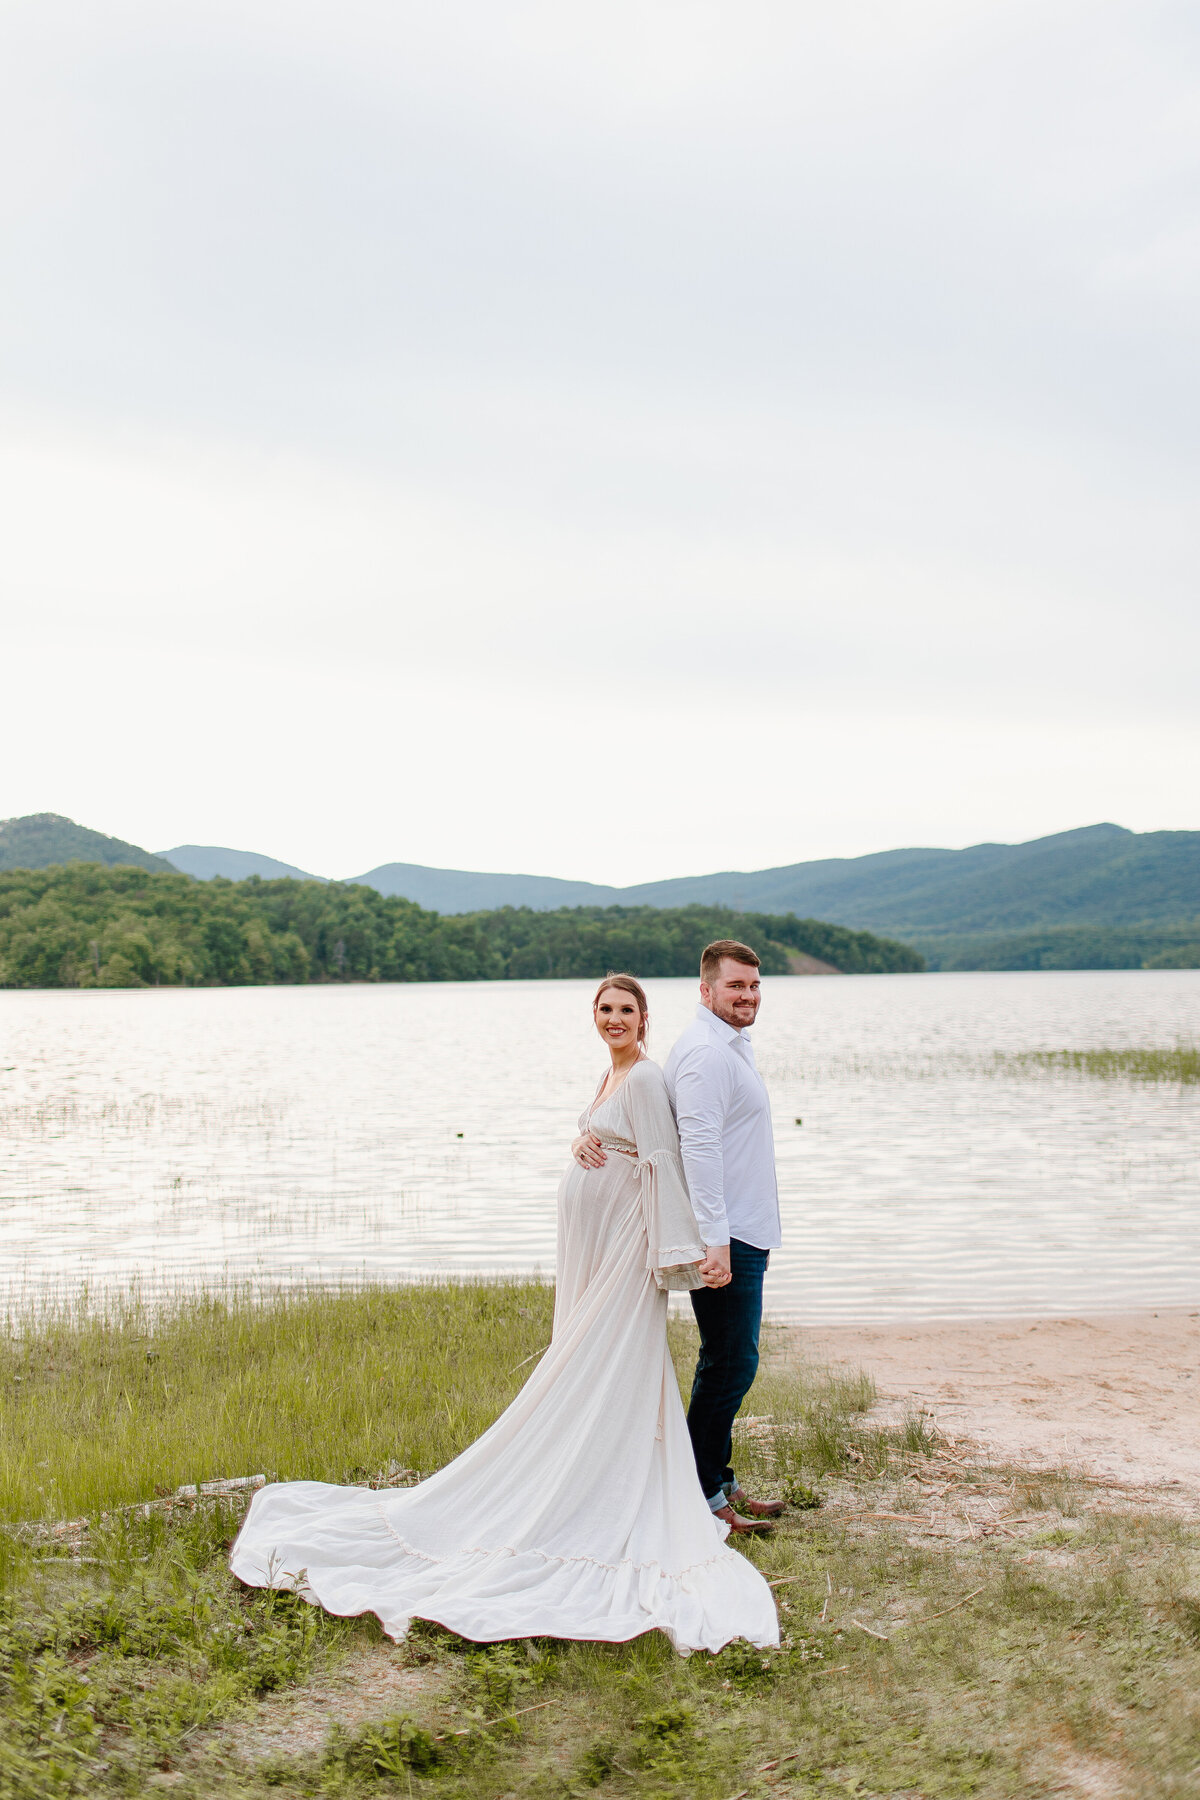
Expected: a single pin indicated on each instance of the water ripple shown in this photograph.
(331, 1133)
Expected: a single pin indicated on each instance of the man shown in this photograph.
(724, 1119)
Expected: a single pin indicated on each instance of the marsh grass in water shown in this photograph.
(950, 1629)
(1179, 1064)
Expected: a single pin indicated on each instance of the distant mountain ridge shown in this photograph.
(206, 861)
(468, 890)
(1098, 877)
(1096, 897)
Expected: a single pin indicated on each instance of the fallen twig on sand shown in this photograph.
(871, 1631)
(927, 1617)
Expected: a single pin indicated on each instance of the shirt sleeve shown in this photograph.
(702, 1090)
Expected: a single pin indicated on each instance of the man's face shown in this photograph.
(734, 994)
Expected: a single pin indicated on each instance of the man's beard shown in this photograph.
(731, 1018)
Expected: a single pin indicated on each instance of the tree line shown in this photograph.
(88, 925)
(1152, 946)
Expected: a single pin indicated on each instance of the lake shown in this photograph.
(393, 1131)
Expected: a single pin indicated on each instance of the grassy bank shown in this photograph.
(109, 1403)
(950, 1629)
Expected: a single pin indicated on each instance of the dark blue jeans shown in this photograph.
(729, 1319)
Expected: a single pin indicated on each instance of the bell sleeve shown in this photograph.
(673, 1239)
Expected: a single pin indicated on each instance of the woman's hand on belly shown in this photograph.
(588, 1151)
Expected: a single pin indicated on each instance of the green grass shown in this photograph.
(1058, 1653)
(1182, 1063)
(103, 1403)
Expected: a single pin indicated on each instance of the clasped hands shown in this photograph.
(715, 1272)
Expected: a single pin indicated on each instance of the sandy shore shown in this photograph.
(1117, 1396)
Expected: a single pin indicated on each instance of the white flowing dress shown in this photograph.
(577, 1514)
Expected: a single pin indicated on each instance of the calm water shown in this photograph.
(324, 1132)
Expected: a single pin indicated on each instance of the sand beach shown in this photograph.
(1114, 1396)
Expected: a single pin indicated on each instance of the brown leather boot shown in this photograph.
(735, 1521)
(758, 1509)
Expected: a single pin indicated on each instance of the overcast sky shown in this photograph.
(605, 441)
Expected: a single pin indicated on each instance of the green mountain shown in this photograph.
(1099, 897)
(41, 839)
(1100, 875)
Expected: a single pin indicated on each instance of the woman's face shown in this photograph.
(617, 1018)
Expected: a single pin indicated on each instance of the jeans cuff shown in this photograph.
(718, 1500)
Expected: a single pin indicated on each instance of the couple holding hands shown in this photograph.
(592, 1508)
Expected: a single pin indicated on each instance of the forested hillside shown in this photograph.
(84, 925)
(667, 941)
(42, 839)
(1069, 947)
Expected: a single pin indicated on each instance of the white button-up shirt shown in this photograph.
(724, 1119)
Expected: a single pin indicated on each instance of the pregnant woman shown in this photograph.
(578, 1513)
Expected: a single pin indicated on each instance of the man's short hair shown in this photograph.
(710, 958)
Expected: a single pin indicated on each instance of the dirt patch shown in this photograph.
(801, 963)
(1087, 1778)
(371, 1683)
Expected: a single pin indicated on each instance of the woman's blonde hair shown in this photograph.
(630, 985)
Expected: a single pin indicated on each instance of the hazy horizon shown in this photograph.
(671, 439)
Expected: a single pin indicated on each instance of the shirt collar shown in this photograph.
(726, 1032)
